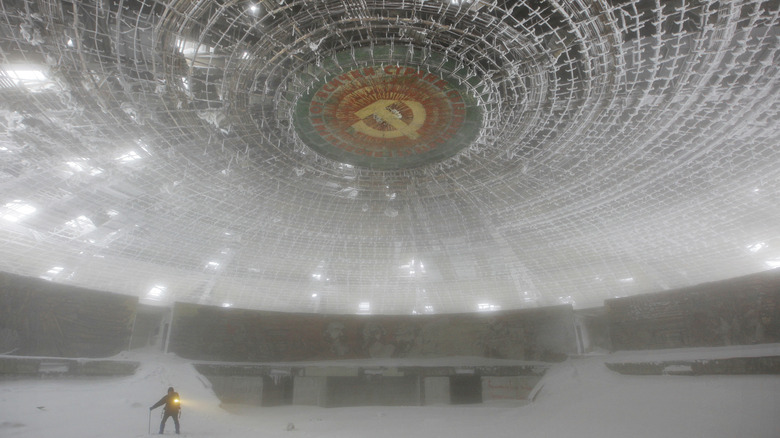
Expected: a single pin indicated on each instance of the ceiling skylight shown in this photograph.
(30, 77)
(52, 273)
(156, 293)
(80, 225)
(17, 210)
(487, 307)
(129, 157)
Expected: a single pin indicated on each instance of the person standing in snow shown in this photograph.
(172, 408)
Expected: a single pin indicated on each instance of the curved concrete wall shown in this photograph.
(41, 318)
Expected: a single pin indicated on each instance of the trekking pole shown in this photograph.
(150, 422)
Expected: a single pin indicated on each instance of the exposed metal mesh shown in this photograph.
(147, 147)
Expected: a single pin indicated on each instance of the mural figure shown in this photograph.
(335, 337)
(406, 337)
(373, 341)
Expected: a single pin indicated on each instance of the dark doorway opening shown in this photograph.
(277, 390)
(465, 390)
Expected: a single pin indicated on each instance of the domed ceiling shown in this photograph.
(389, 157)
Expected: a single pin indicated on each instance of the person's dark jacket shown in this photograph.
(171, 402)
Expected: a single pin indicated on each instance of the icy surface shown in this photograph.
(580, 397)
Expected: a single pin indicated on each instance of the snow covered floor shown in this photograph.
(581, 398)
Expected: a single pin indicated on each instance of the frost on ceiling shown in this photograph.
(173, 150)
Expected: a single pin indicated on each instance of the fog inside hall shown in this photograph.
(390, 218)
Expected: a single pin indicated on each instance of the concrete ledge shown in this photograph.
(106, 368)
(19, 366)
(726, 366)
(56, 366)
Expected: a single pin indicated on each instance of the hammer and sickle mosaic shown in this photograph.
(386, 117)
(382, 110)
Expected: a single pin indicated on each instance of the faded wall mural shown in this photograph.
(212, 333)
(739, 311)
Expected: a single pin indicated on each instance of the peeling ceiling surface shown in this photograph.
(389, 157)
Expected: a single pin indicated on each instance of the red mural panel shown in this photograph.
(392, 112)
